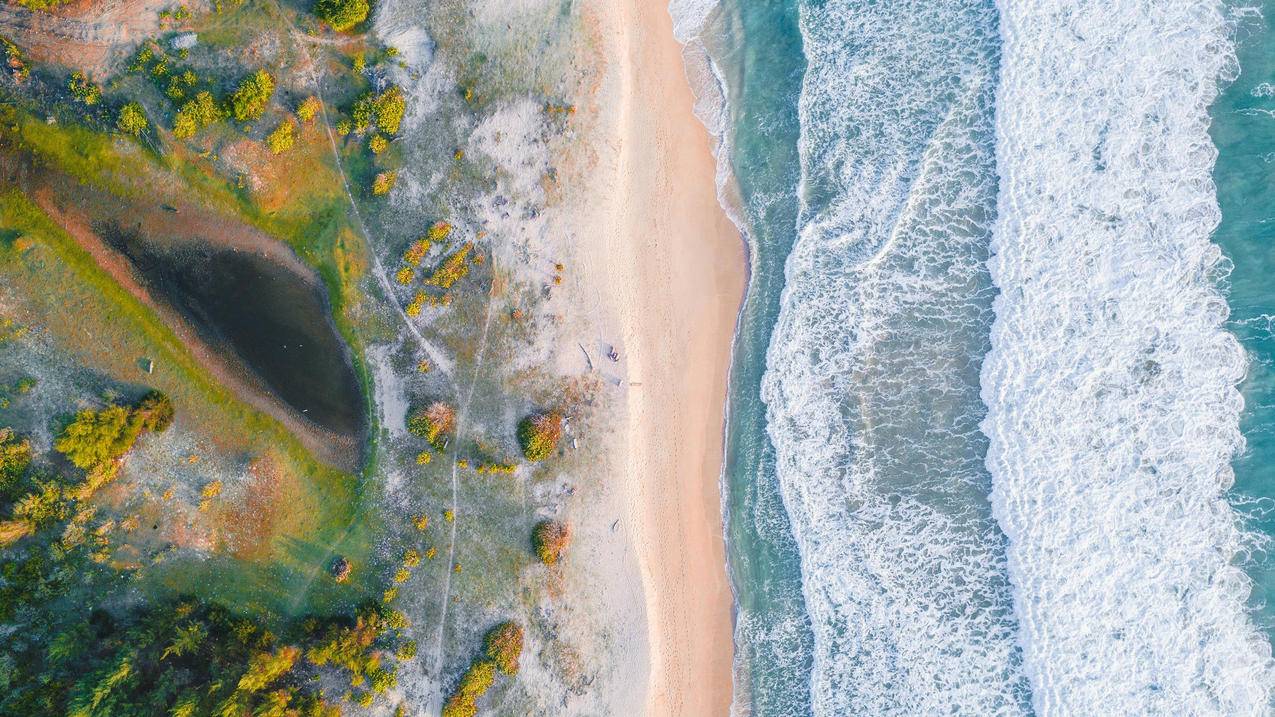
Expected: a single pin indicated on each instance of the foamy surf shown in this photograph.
(871, 386)
(1113, 413)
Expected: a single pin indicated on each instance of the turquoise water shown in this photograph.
(1244, 132)
(984, 302)
(758, 48)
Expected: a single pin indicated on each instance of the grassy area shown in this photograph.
(107, 329)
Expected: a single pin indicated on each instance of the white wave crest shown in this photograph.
(1111, 385)
(871, 384)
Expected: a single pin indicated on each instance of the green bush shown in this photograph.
(503, 646)
(539, 435)
(281, 139)
(433, 423)
(132, 119)
(15, 456)
(83, 89)
(251, 98)
(197, 114)
(549, 539)
(342, 15)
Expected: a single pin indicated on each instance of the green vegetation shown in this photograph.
(251, 98)
(342, 15)
(96, 439)
(383, 183)
(132, 119)
(282, 138)
(383, 112)
(189, 657)
(453, 269)
(309, 108)
(550, 539)
(433, 423)
(196, 114)
(83, 89)
(502, 647)
(40, 4)
(15, 456)
(539, 435)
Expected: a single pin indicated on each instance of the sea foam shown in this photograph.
(872, 380)
(1113, 413)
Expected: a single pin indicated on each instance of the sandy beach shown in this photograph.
(674, 267)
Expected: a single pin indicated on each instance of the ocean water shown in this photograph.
(1243, 130)
(997, 443)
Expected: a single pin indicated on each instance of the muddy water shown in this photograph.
(273, 319)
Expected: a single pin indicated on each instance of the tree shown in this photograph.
(155, 411)
(251, 98)
(97, 437)
(132, 119)
(342, 14)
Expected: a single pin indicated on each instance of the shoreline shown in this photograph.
(676, 267)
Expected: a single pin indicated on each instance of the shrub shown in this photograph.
(503, 646)
(343, 127)
(384, 111)
(250, 99)
(342, 15)
(433, 422)
(539, 435)
(15, 456)
(416, 252)
(383, 183)
(132, 119)
(407, 650)
(83, 89)
(453, 269)
(280, 140)
(378, 144)
(405, 275)
(340, 569)
(438, 231)
(550, 539)
(155, 411)
(309, 108)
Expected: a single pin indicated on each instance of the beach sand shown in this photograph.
(669, 269)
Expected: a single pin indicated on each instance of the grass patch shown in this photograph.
(108, 329)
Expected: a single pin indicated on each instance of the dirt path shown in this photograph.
(88, 35)
(435, 355)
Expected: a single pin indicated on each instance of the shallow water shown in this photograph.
(1244, 131)
(276, 322)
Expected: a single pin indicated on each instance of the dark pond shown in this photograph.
(275, 321)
